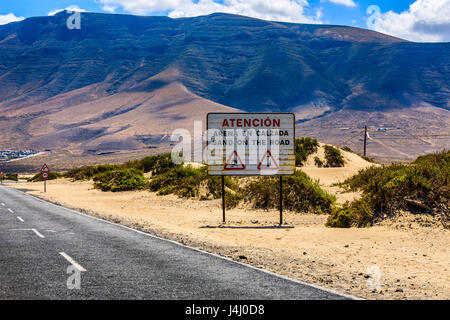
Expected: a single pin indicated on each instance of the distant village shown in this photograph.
(8, 155)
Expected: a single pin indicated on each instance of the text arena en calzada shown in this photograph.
(250, 143)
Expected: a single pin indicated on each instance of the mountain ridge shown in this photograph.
(243, 78)
(55, 82)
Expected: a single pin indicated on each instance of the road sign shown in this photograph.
(268, 162)
(45, 168)
(44, 174)
(251, 144)
(234, 162)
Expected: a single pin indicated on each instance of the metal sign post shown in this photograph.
(251, 144)
(223, 199)
(281, 200)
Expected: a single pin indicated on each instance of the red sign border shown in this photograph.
(229, 158)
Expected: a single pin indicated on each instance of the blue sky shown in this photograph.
(416, 20)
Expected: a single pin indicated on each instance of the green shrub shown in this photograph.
(186, 181)
(155, 164)
(214, 187)
(434, 159)
(318, 162)
(51, 176)
(386, 188)
(167, 178)
(120, 180)
(356, 214)
(333, 157)
(88, 172)
(368, 159)
(300, 194)
(303, 148)
(346, 148)
(340, 217)
(181, 180)
(11, 176)
(233, 193)
(232, 199)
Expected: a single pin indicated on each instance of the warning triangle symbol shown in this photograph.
(44, 168)
(234, 162)
(267, 162)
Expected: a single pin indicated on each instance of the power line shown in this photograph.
(417, 136)
(351, 138)
(404, 138)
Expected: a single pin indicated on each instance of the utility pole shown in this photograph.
(365, 140)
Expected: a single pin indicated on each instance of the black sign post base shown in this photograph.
(281, 200)
(223, 199)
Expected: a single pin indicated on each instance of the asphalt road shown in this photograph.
(40, 241)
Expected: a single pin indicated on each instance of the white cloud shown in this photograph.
(109, 7)
(347, 3)
(280, 10)
(10, 17)
(69, 8)
(424, 21)
(319, 13)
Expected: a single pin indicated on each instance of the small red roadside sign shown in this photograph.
(44, 171)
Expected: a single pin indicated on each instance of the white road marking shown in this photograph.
(72, 262)
(34, 230)
(3, 204)
(37, 233)
(10, 210)
(20, 219)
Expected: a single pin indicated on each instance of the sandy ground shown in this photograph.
(403, 259)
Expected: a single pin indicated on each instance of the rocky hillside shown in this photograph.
(123, 82)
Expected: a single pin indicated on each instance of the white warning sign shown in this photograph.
(250, 143)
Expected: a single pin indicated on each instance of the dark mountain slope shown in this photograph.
(237, 61)
(122, 83)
